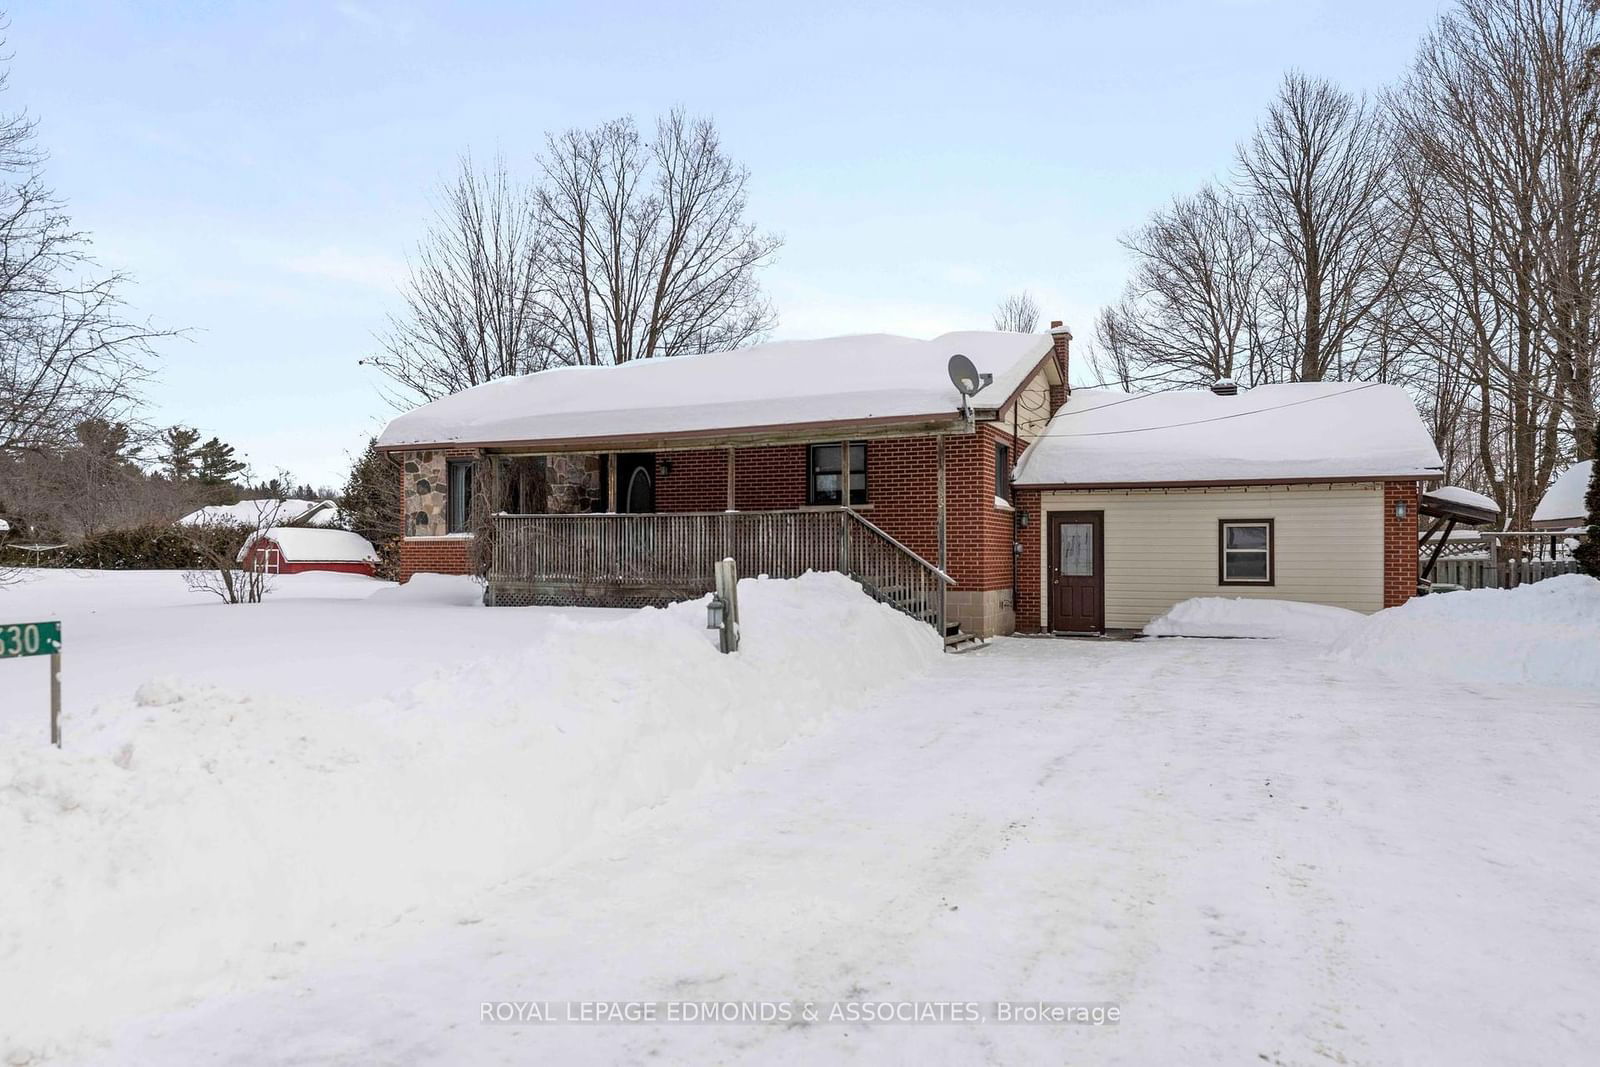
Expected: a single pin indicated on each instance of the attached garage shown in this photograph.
(1302, 492)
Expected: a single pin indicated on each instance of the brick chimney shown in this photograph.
(1061, 338)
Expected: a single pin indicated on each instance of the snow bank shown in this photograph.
(1216, 616)
(1547, 633)
(195, 839)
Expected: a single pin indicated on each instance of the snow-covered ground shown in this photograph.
(1258, 850)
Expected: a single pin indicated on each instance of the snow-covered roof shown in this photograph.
(1293, 432)
(861, 378)
(253, 512)
(1457, 495)
(1564, 500)
(308, 544)
(5, 527)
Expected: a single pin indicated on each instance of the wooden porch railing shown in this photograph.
(657, 558)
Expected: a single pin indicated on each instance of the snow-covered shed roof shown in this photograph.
(785, 384)
(1292, 432)
(308, 544)
(1564, 500)
(252, 512)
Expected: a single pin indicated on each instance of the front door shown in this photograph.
(1077, 572)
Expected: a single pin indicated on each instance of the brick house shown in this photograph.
(621, 485)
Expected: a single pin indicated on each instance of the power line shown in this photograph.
(1198, 422)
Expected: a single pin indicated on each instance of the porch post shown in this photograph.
(731, 505)
(944, 553)
(844, 474)
(611, 483)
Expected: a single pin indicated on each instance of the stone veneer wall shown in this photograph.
(574, 483)
(425, 489)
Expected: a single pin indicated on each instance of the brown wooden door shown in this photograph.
(1077, 571)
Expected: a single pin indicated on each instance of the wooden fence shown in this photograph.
(1477, 572)
(658, 558)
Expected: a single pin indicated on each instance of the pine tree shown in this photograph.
(371, 503)
(217, 465)
(1588, 551)
(180, 455)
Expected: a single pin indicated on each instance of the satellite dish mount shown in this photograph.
(968, 382)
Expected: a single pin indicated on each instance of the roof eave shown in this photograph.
(922, 425)
(1208, 483)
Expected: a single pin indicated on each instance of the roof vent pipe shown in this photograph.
(1225, 387)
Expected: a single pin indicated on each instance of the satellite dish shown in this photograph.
(964, 376)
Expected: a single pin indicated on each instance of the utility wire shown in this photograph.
(1197, 422)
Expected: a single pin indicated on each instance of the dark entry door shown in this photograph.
(1077, 571)
(636, 483)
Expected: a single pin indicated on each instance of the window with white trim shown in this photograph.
(1245, 552)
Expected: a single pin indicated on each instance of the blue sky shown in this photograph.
(262, 169)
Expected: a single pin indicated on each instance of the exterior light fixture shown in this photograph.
(715, 611)
(1399, 509)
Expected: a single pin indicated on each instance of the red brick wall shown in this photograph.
(1029, 608)
(434, 555)
(1399, 543)
(902, 494)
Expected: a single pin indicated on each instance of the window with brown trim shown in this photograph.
(823, 484)
(1245, 552)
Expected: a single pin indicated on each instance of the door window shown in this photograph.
(1077, 549)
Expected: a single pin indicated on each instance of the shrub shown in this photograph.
(155, 546)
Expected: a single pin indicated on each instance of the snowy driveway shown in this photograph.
(1259, 856)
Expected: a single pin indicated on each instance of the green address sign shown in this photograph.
(29, 639)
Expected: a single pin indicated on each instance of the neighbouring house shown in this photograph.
(296, 549)
(1562, 506)
(253, 513)
(622, 485)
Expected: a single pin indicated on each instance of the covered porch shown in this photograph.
(650, 530)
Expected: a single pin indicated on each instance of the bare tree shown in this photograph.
(1318, 173)
(69, 351)
(1190, 313)
(471, 300)
(1017, 313)
(1501, 153)
(230, 573)
(645, 247)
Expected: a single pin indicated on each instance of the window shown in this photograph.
(458, 495)
(1002, 472)
(825, 473)
(1245, 552)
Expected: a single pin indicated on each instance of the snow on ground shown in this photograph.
(196, 837)
(1260, 859)
(1221, 616)
(1546, 633)
(1258, 852)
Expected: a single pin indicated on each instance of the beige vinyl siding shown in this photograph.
(1161, 545)
(1033, 409)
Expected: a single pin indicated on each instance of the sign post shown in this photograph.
(38, 639)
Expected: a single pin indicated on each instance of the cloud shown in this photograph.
(364, 269)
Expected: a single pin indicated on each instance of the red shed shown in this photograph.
(293, 549)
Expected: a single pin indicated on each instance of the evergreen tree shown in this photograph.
(217, 463)
(180, 455)
(1588, 553)
(371, 503)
